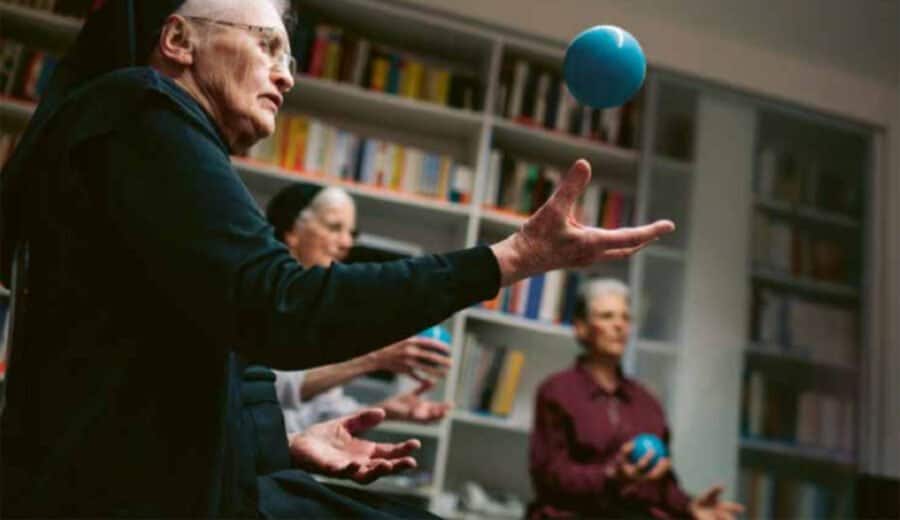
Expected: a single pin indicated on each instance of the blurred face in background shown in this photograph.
(605, 331)
(323, 233)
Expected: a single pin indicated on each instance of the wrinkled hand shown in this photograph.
(412, 407)
(707, 506)
(419, 358)
(627, 473)
(552, 238)
(330, 448)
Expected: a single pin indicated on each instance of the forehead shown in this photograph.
(263, 13)
(608, 301)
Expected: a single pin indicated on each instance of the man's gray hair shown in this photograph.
(595, 288)
(215, 8)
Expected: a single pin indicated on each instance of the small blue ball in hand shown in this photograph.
(645, 442)
(604, 66)
(437, 332)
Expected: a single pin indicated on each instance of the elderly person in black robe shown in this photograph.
(145, 279)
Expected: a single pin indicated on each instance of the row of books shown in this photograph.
(549, 297)
(817, 331)
(764, 496)
(780, 246)
(779, 411)
(24, 71)
(8, 140)
(74, 8)
(522, 186)
(537, 96)
(306, 144)
(490, 377)
(331, 52)
(790, 177)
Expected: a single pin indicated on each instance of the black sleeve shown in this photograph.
(175, 201)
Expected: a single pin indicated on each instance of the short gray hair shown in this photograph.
(330, 196)
(215, 8)
(595, 288)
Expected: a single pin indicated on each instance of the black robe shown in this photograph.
(153, 275)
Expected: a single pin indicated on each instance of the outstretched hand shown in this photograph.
(411, 406)
(708, 506)
(552, 239)
(330, 448)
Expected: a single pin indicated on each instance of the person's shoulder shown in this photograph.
(637, 389)
(558, 382)
(140, 99)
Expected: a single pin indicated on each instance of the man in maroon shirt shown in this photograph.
(585, 420)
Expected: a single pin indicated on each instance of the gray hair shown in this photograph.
(215, 8)
(328, 197)
(595, 288)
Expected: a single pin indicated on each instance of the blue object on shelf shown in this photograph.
(604, 66)
(645, 442)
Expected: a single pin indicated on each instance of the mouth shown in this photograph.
(275, 99)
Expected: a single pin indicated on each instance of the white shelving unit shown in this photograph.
(671, 178)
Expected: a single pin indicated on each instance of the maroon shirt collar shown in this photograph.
(623, 390)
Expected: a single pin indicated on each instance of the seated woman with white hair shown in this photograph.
(318, 226)
(586, 418)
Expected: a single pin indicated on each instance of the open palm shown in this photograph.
(411, 406)
(552, 239)
(330, 448)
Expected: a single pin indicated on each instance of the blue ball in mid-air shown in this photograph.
(604, 66)
(644, 443)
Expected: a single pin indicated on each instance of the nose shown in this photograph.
(282, 79)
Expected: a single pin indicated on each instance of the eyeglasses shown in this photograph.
(273, 44)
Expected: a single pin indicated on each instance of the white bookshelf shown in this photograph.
(488, 421)
(798, 451)
(673, 299)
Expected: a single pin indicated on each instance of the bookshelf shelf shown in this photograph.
(667, 252)
(518, 322)
(828, 289)
(321, 96)
(657, 347)
(806, 213)
(488, 421)
(436, 211)
(412, 429)
(46, 30)
(780, 355)
(498, 222)
(15, 110)
(668, 166)
(808, 453)
(562, 149)
(382, 486)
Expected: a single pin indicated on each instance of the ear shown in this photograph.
(292, 238)
(177, 41)
(582, 330)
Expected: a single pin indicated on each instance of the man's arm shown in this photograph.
(175, 200)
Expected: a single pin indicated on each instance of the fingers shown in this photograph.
(380, 467)
(424, 386)
(431, 344)
(571, 187)
(364, 420)
(732, 507)
(386, 450)
(659, 469)
(629, 237)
